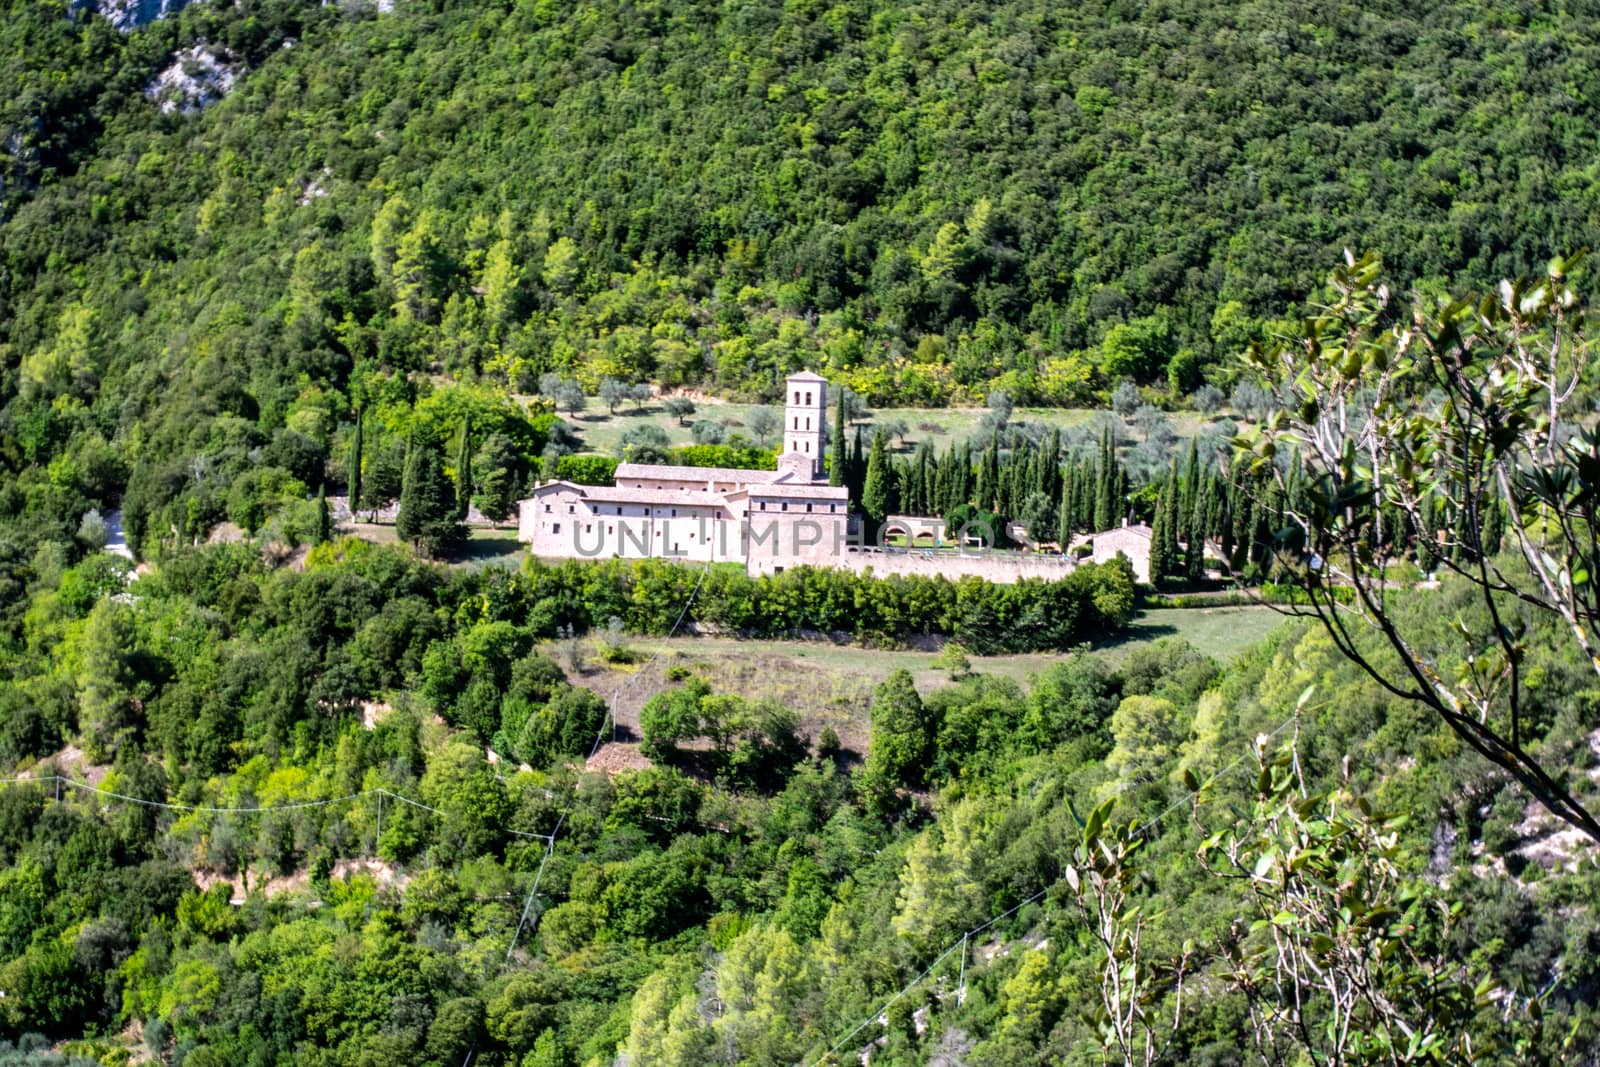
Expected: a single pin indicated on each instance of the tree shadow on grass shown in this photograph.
(1136, 633)
(502, 548)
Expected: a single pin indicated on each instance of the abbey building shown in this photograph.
(767, 520)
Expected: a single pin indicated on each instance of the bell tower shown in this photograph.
(805, 414)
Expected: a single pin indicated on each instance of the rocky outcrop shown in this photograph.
(128, 15)
(197, 76)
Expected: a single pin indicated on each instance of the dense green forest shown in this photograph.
(927, 202)
(757, 893)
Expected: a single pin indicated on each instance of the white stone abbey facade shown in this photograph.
(767, 520)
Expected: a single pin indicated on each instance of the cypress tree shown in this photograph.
(964, 477)
(427, 516)
(989, 477)
(353, 466)
(1192, 516)
(876, 495)
(1428, 539)
(324, 531)
(1493, 531)
(1191, 483)
(1064, 519)
(838, 465)
(1106, 489)
(855, 476)
(464, 469)
(926, 502)
(1083, 490)
(1175, 547)
(1160, 562)
(1049, 472)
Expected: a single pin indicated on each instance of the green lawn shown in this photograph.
(484, 547)
(601, 431)
(490, 548)
(1221, 632)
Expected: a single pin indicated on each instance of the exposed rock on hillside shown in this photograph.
(197, 76)
(128, 15)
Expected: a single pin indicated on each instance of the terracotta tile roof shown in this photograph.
(792, 492)
(665, 473)
(608, 494)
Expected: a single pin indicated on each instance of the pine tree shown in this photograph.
(353, 466)
(324, 530)
(838, 463)
(427, 516)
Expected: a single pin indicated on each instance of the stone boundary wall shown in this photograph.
(1002, 567)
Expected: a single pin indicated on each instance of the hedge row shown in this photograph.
(650, 595)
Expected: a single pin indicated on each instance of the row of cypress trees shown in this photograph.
(433, 508)
(1027, 482)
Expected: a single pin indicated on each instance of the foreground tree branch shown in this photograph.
(1451, 428)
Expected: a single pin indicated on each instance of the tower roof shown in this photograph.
(806, 376)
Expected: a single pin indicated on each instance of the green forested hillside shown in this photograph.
(756, 895)
(927, 201)
(405, 240)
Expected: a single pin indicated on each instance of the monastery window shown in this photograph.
(555, 527)
(547, 509)
(808, 422)
(674, 512)
(797, 422)
(808, 508)
(611, 529)
(808, 446)
(808, 399)
(797, 396)
(572, 509)
(588, 527)
(619, 509)
(784, 506)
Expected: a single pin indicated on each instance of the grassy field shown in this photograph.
(485, 547)
(831, 685)
(601, 431)
(1221, 632)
